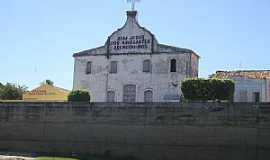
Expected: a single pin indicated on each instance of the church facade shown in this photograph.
(133, 67)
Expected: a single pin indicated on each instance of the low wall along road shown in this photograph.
(203, 131)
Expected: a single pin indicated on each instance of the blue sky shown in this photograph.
(38, 37)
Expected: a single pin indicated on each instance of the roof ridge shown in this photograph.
(255, 74)
(86, 51)
(245, 71)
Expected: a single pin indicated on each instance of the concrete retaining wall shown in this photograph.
(203, 131)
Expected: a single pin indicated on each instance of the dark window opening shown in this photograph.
(173, 65)
(88, 68)
(256, 97)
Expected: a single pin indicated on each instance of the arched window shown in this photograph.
(88, 68)
(110, 96)
(173, 65)
(147, 66)
(148, 96)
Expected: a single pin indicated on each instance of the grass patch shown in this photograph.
(54, 158)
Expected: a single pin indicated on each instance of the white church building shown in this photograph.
(133, 67)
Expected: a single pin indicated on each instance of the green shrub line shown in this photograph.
(78, 96)
(208, 89)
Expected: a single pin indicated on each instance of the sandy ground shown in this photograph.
(14, 158)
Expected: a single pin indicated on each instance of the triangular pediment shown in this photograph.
(131, 38)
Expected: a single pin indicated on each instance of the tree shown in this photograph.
(12, 91)
(48, 82)
(213, 76)
(1, 89)
(78, 96)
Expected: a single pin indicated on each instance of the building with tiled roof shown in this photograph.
(254, 74)
(46, 93)
(250, 85)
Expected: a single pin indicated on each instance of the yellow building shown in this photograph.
(48, 93)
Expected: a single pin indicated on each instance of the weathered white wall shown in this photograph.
(130, 71)
(251, 86)
(124, 46)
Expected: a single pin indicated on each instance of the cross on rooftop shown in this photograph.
(133, 2)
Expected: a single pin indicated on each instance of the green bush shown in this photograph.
(207, 89)
(78, 96)
(11, 91)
